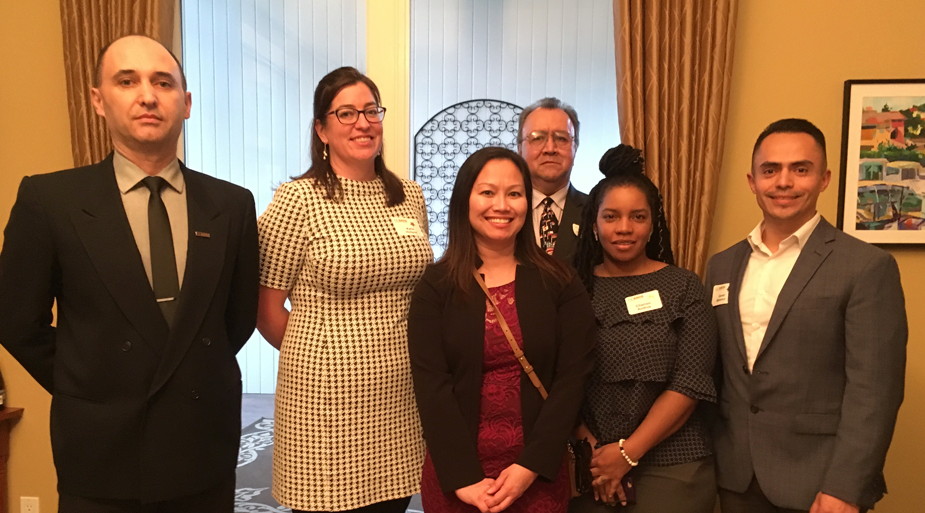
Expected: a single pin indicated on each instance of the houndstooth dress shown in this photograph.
(347, 427)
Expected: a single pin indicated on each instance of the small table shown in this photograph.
(8, 417)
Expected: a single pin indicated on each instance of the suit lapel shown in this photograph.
(811, 257)
(208, 236)
(739, 264)
(566, 239)
(106, 235)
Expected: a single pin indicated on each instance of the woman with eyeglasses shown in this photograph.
(345, 243)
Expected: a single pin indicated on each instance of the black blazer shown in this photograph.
(566, 238)
(446, 333)
(139, 411)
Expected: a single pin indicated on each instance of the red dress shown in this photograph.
(501, 435)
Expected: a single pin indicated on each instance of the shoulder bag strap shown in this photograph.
(510, 338)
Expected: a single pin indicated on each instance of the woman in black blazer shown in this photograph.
(489, 432)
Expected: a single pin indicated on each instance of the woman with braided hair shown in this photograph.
(655, 354)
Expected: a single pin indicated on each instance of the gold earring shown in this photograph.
(325, 154)
(595, 235)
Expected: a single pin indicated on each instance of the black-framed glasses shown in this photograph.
(538, 139)
(350, 115)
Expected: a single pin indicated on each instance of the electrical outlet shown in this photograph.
(28, 505)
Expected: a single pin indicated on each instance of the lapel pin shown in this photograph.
(202, 234)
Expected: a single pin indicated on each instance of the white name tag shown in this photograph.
(643, 302)
(721, 294)
(405, 226)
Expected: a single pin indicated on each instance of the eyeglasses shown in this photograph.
(538, 139)
(349, 115)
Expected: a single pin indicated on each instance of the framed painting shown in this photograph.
(882, 186)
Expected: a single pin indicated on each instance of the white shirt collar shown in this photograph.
(558, 198)
(128, 174)
(799, 237)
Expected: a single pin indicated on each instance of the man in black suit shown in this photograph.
(547, 138)
(154, 270)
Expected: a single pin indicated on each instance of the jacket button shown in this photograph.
(207, 341)
(754, 409)
(126, 346)
(745, 369)
(194, 394)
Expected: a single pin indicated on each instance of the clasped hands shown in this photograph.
(494, 495)
(608, 466)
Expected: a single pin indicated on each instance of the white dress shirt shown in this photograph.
(558, 204)
(765, 275)
(135, 200)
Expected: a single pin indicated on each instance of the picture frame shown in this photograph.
(882, 176)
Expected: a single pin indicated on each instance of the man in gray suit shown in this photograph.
(813, 332)
(547, 138)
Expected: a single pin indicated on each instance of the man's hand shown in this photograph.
(510, 485)
(476, 494)
(828, 504)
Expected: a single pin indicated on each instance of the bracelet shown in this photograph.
(626, 456)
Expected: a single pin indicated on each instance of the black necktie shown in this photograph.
(549, 226)
(163, 259)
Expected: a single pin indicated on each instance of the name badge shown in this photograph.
(405, 226)
(643, 302)
(721, 294)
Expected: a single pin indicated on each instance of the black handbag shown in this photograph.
(579, 466)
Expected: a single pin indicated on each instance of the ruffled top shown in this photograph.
(641, 355)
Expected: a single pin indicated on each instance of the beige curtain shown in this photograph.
(674, 69)
(87, 26)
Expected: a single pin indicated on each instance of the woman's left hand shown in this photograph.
(510, 485)
(608, 466)
(609, 492)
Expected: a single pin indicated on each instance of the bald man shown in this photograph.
(154, 271)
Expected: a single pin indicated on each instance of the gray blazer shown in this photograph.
(818, 410)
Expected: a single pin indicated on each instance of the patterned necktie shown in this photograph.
(549, 227)
(163, 259)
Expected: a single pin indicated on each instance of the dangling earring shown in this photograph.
(324, 155)
(595, 234)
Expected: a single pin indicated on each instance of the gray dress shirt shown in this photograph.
(135, 200)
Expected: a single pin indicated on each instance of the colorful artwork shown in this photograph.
(883, 161)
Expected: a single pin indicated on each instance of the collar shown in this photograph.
(558, 197)
(799, 237)
(128, 175)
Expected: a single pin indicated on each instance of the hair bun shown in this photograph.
(624, 159)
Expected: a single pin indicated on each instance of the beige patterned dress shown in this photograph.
(347, 427)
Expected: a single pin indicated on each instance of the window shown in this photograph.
(252, 66)
(516, 51)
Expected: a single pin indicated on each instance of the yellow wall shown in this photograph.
(792, 57)
(791, 60)
(34, 138)
(388, 64)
